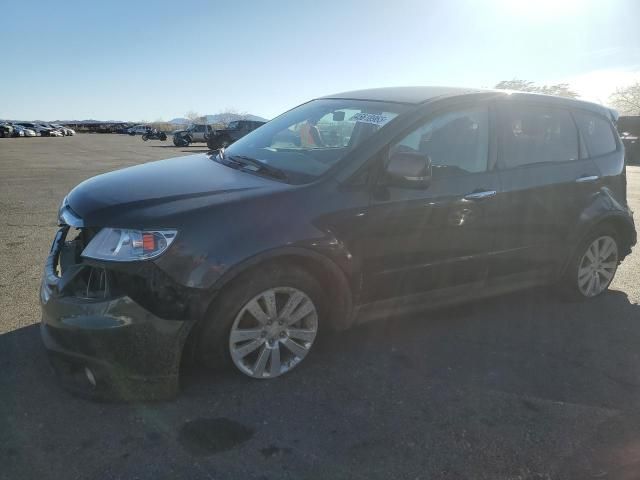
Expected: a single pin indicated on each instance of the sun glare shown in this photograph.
(540, 9)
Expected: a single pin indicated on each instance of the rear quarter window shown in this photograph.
(597, 133)
(537, 134)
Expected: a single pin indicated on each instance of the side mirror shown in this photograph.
(409, 170)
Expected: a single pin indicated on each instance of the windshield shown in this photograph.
(308, 140)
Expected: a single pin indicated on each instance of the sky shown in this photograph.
(157, 60)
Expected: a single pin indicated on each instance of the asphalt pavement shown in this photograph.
(517, 387)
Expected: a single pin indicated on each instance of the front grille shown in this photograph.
(90, 283)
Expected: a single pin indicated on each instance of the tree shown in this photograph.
(229, 115)
(515, 84)
(192, 116)
(559, 89)
(627, 99)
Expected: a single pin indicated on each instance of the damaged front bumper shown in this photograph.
(101, 342)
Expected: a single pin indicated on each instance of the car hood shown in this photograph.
(159, 193)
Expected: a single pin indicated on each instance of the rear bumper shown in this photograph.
(130, 353)
(632, 234)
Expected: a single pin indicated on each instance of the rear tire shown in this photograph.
(230, 317)
(593, 265)
(163, 136)
(145, 137)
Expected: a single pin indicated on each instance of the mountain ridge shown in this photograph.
(220, 118)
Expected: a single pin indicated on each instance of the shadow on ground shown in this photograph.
(521, 386)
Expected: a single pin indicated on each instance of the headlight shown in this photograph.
(123, 245)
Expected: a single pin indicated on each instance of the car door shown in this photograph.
(198, 133)
(436, 238)
(546, 183)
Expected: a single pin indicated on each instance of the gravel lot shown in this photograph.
(518, 387)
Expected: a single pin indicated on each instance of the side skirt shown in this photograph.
(439, 298)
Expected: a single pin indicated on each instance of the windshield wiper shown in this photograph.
(260, 166)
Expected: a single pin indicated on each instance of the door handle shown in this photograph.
(587, 178)
(480, 195)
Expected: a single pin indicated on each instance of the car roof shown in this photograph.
(411, 95)
(420, 95)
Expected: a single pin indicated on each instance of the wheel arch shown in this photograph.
(322, 268)
(619, 222)
(623, 227)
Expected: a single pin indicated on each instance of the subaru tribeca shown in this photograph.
(347, 208)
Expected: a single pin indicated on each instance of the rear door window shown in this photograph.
(597, 133)
(536, 134)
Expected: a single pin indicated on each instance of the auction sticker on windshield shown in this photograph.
(373, 118)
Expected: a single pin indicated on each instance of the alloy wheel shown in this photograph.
(597, 266)
(273, 332)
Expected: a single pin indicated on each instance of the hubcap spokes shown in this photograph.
(273, 332)
(598, 266)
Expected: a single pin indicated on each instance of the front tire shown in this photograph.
(180, 141)
(593, 266)
(265, 324)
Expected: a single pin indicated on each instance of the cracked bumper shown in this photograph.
(109, 348)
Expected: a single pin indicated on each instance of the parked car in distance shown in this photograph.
(234, 131)
(42, 129)
(54, 132)
(138, 129)
(21, 131)
(197, 132)
(65, 130)
(7, 130)
(122, 129)
(38, 129)
(351, 207)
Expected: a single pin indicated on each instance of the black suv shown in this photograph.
(234, 131)
(347, 208)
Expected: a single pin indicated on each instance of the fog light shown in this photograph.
(90, 376)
